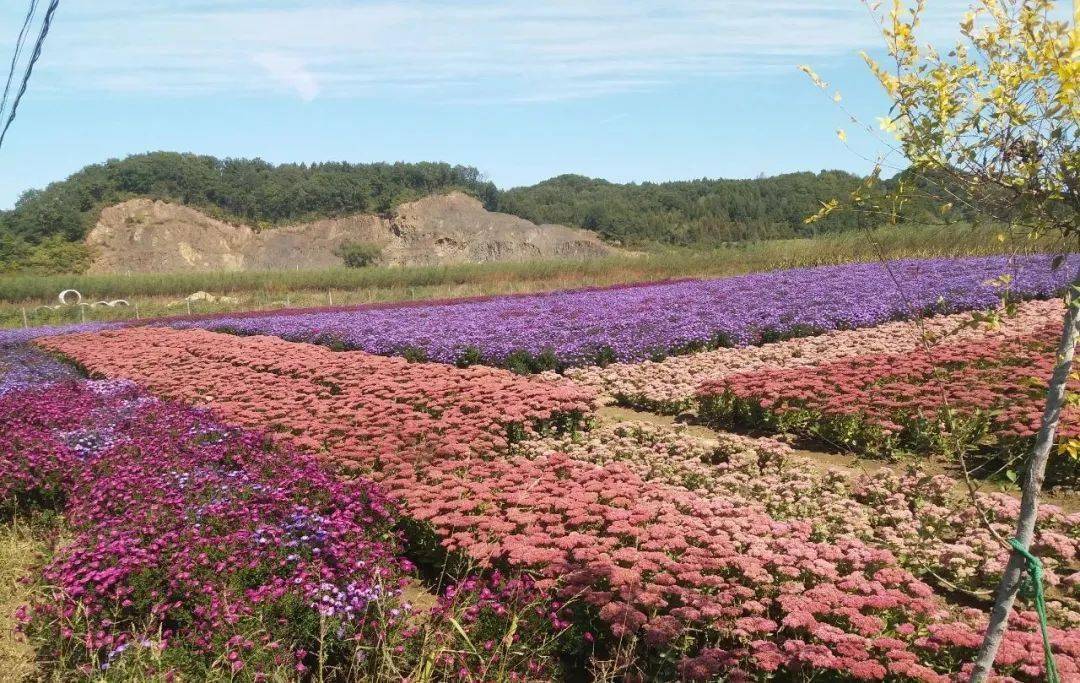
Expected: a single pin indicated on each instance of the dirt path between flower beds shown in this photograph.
(1070, 502)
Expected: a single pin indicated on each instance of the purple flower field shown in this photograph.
(635, 323)
(23, 367)
(15, 337)
(167, 508)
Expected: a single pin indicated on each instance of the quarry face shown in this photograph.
(145, 235)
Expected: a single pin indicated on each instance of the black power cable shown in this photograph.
(18, 53)
(34, 56)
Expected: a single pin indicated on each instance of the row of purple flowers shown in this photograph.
(571, 328)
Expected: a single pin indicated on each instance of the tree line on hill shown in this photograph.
(686, 212)
(44, 231)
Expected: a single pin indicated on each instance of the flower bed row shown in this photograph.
(24, 366)
(574, 328)
(697, 585)
(370, 407)
(984, 396)
(922, 519)
(207, 551)
(17, 336)
(20, 336)
(669, 386)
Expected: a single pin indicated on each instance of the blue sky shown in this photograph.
(523, 89)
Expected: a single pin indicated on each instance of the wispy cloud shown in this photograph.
(489, 49)
(290, 72)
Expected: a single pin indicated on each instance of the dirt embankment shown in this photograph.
(145, 235)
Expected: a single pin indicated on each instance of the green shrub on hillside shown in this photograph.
(358, 254)
(52, 256)
(696, 212)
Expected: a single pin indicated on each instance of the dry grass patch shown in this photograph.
(22, 546)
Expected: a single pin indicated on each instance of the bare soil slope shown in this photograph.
(144, 235)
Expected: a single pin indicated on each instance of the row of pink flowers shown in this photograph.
(670, 385)
(987, 393)
(370, 407)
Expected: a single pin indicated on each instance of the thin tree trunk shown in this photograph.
(1033, 482)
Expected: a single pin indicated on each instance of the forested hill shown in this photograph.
(686, 212)
(248, 190)
(46, 227)
(44, 232)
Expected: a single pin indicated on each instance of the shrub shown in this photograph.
(51, 256)
(358, 254)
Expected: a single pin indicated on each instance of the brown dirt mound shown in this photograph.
(145, 235)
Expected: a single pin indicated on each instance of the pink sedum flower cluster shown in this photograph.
(678, 570)
(368, 407)
(924, 520)
(986, 395)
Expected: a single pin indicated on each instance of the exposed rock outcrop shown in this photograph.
(145, 235)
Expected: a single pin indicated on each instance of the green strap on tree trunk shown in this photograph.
(1034, 591)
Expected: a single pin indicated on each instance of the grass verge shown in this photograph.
(24, 543)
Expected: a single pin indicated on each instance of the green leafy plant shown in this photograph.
(358, 254)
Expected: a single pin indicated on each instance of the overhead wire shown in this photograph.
(19, 43)
(34, 56)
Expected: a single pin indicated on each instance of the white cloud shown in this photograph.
(290, 72)
(523, 50)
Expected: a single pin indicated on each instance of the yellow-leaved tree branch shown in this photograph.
(991, 126)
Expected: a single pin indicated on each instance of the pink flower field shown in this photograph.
(364, 408)
(924, 520)
(663, 554)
